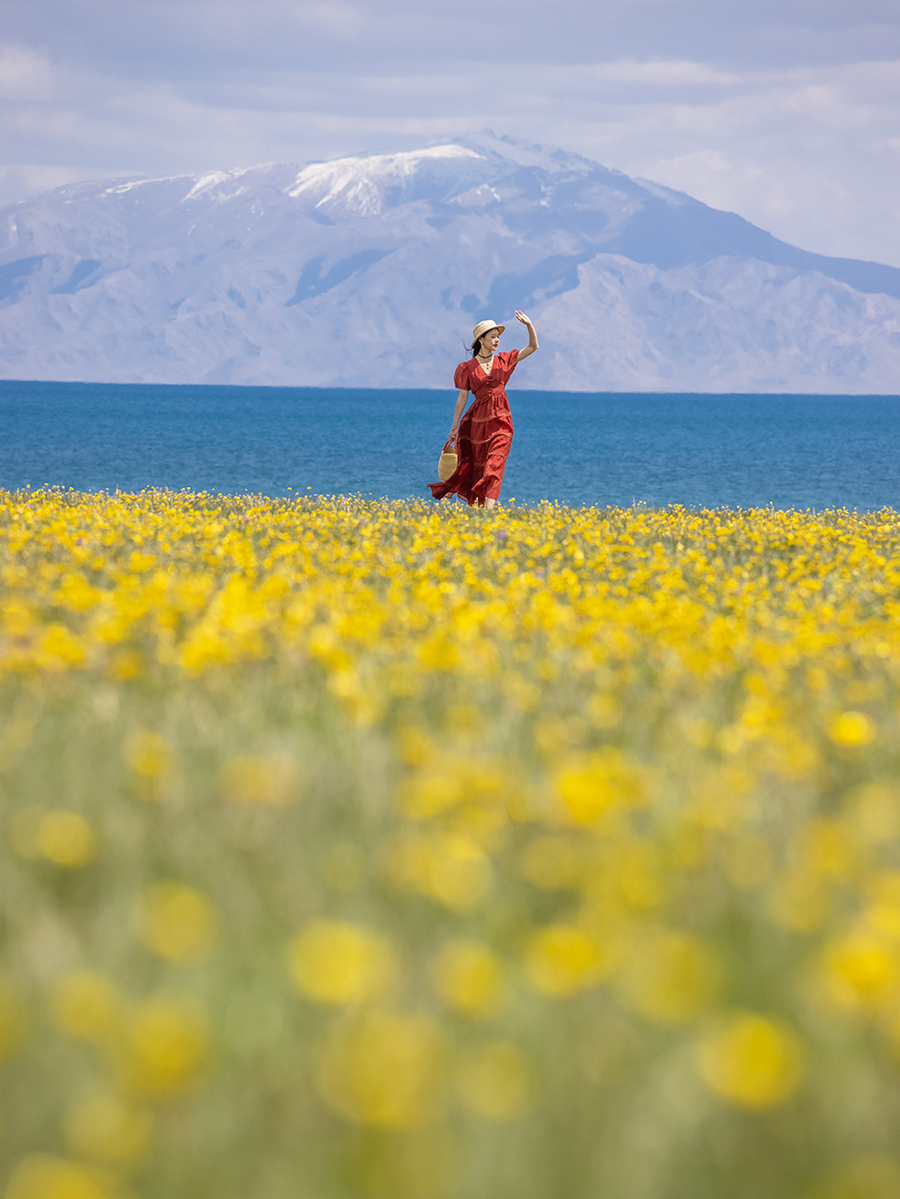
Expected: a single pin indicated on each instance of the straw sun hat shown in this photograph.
(482, 327)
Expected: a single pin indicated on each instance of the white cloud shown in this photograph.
(659, 71)
(24, 75)
(27, 179)
(801, 153)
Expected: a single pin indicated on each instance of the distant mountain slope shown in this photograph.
(368, 271)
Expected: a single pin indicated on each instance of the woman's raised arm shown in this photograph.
(532, 336)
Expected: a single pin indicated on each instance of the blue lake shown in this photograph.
(742, 450)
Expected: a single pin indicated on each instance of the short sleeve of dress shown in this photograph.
(509, 361)
(461, 378)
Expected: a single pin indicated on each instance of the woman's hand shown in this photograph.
(532, 336)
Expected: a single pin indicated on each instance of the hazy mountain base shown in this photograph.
(714, 327)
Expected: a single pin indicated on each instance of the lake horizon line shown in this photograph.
(514, 390)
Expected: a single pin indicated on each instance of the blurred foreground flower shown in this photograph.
(384, 1068)
(852, 729)
(751, 1061)
(562, 959)
(62, 837)
(148, 754)
(861, 970)
(164, 1051)
(469, 977)
(335, 962)
(449, 867)
(177, 922)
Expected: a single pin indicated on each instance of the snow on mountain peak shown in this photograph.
(550, 159)
(215, 179)
(361, 182)
(119, 189)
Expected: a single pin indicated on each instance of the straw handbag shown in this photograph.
(447, 462)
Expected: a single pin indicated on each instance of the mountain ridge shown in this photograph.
(244, 275)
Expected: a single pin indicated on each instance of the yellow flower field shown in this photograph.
(386, 850)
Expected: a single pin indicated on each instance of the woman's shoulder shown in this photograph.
(461, 374)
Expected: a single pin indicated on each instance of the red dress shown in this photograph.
(485, 432)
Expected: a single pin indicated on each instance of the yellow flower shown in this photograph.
(60, 649)
(589, 786)
(177, 923)
(338, 963)
(431, 793)
(165, 1049)
(853, 729)
(59, 836)
(469, 977)
(751, 1061)
(561, 959)
(383, 1068)
(148, 754)
(139, 562)
(449, 867)
(860, 970)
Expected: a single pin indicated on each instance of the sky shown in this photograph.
(785, 111)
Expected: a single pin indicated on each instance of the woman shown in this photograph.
(484, 434)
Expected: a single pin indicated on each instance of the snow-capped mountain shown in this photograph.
(371, 271)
